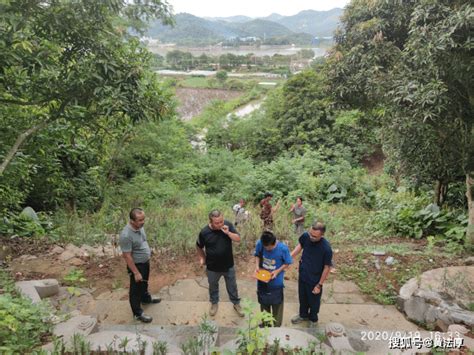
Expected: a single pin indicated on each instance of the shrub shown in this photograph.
(22, 324)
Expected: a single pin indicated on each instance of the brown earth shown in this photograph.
(193, 101)
(105, 273)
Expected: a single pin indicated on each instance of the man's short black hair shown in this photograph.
(134, 211)
(214, 214)
(299, 197)
(268, 238)
(318, 226)
(267, 194)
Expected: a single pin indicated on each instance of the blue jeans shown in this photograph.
(213, 278)
(309, 302)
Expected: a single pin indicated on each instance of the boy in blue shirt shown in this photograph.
(274, 257)
(314, 268)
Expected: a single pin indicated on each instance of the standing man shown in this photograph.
(241, 214)
(313, 270)
(299, 213)
(273, 256)
(267, 212)
(136, 252)
(214, 248)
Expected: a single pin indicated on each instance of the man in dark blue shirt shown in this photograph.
(313, 270)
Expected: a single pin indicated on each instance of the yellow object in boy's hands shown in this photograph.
(263, 275)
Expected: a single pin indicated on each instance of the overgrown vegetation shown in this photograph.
(23, 325)
(104, 137)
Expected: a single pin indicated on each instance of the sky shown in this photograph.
(251, 8)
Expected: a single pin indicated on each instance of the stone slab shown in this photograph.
(197, 290)
(38, 289)
(83, 325)
(189, 313)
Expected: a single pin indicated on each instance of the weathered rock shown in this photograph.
(57, 250)
(29, 213)
(83, 325)
(66, 255)
(390, 260)
(76, 262)
(415, 309)
(469, 261)
(75, 250)
(465, 317)
(337, 337)
(439, 295)
(27, 257)
(441, 326)
(457, 328)
(377, 264)
(38, 289)
(378, 253)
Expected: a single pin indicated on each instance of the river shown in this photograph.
(261, 51)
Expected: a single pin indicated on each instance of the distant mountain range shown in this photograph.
(275, 29)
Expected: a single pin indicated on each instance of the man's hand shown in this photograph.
(275, 274)
(316, 290)
(202, 262)
(225, 229)
(138, 277)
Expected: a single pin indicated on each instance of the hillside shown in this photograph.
(262, 28)
(273, 29)
(316, 23)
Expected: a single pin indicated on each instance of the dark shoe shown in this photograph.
(153, 301)
(239, 311)
(213, 310)
(143, 318)
(298, 319)
(313, 325)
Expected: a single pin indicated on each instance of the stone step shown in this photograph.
(167, 313)
(335, 292)
(368, 341)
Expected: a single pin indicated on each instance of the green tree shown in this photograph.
(303, 112)
(221, 75)
(68, 71)
(430, 116)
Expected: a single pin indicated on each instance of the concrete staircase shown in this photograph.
(368, 326)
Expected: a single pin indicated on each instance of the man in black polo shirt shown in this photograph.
(313, 271)
(214, 247)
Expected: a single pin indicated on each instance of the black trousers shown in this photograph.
(309, 302)
(138, 292)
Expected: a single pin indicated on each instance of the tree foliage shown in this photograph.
(71, 75)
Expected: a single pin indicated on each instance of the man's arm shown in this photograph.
(235, 237)
(274, 209)
(131, 265)
(201, 255)
(257, 264)
(280, 269)
(296, 251)
(317, 288)
(298, 219)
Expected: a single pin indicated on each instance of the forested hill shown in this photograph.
(300, 28)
